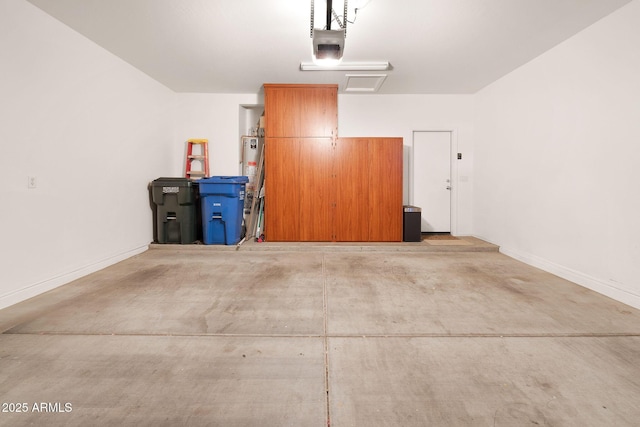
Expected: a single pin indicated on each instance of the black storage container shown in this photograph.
(175, 214)
(411, 224)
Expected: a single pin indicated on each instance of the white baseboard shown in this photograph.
(34, 289)
(603, 287)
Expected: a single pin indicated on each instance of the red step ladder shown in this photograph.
(202, 157)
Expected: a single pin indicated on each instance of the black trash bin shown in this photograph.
(176, 204)
(411, 224)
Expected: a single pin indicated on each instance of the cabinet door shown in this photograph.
(352, 211)
(301, 110)
(319, 112)
(316, 189)
(282, 189)
(281, 111)
(385, 189)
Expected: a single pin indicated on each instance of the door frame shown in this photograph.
(454, 172)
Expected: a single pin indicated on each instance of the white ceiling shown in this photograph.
(234, 46)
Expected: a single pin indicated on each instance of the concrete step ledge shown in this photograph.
(462, 244)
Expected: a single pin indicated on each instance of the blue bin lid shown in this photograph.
(224, 180)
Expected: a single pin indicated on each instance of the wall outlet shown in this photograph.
(32, 182)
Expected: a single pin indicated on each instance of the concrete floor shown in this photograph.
(313, 335)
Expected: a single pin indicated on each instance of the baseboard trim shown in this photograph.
(35, 289)
(603, 287)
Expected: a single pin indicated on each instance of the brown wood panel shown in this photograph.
(385, 189)
(282, 189)
(301, 110)
(316, 189)
(319, 112)
(282, 111)
(351, 167)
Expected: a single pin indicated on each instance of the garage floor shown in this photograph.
(317, 335)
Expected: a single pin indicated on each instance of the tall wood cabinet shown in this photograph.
(322, 188)
(369, 189)
(301, 123)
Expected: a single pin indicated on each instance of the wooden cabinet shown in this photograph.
(322, 188)
(385, 189)
(316, 190)
(352, 195)
(298, 189)
(301, 123)
(304, 111)
(369, 190)
(282, 189)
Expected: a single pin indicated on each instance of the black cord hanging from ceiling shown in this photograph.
(330, 12)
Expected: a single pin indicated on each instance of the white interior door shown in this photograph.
(432, 179)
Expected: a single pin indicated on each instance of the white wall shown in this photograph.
(557, 159)
(93, 131)
(400, 116)
(215, 117)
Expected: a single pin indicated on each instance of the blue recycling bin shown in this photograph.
(222, 201)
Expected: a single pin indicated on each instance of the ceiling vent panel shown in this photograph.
(364, 83)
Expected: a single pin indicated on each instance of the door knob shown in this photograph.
(448, 187)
